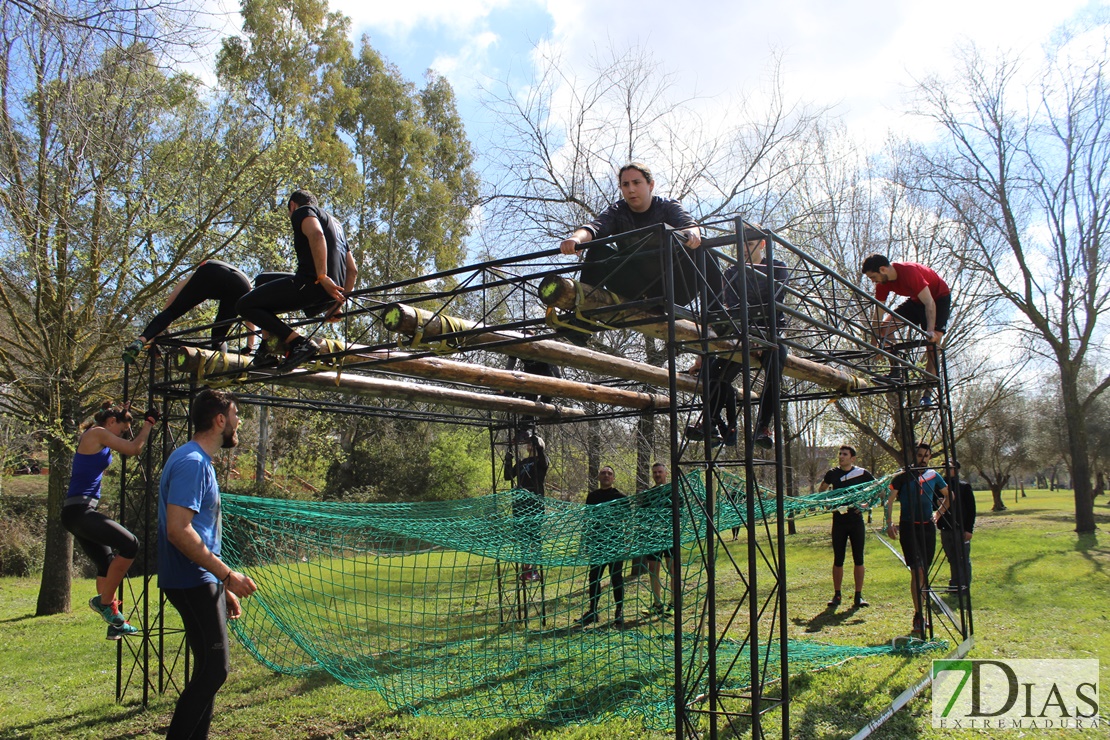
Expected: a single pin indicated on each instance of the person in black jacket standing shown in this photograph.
(598, 541)
(956, 527)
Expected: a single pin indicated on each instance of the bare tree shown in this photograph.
(1025, 184)
(997, 446)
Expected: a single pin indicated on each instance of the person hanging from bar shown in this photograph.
(722, 373)
(110, 546)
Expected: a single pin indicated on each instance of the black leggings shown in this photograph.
(722, 394)
(847, 527)
(98, 536)
(616, 576)
(280, 292)
(204, 615)
(211, 281)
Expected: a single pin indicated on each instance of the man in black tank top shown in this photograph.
(324, 264)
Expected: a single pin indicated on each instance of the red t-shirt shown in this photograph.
(912, 278)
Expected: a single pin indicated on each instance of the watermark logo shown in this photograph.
(1015, 694)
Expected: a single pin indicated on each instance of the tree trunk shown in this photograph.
(1100, 484)
(996, 493)
(593, 452)
(57, 577)
(263, 445)
(1077, 443)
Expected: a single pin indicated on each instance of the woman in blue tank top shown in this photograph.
(111, 547)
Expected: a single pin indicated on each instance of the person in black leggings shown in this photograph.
(597, 541)
(213, 280)
(196, 581)
(107, 543)
(847, 524)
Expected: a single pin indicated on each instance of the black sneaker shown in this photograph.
(265, 358)
(300, 351)
(618, 621)
(834, 602)
(764, 440)
(586, 619)
(131, 352)
(695, 433)
(860, 602)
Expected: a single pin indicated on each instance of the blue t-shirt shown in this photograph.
(188, 480)
(916, 493)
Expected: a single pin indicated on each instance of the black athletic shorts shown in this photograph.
(846, 527)
(919, 543)
(914, 312)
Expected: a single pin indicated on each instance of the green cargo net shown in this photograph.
(425, 602)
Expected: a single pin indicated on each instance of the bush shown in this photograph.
(21, 549)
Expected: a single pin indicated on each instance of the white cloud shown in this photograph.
(402, 18)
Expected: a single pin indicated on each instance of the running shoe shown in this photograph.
(116, 633)
(860, 602)
(300, 351)
(131, 352)
(764, 440)
(109, 613)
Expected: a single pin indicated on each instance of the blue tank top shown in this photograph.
(87, 472)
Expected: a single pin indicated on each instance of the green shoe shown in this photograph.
(110, 613)
(131, 352)
(115, 633)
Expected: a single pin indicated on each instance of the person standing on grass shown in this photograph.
(956, 527)
(203, 589)
(917, 488)
(597, 537)
(528, 507)
(662, 502)
(847, 524)
(109, 546)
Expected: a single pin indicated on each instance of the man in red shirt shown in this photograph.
(928, 305)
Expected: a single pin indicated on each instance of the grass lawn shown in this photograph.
(1039, 592)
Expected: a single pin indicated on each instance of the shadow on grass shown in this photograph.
(71, 725)
(13, 620)
(1087, 546)
(828, 618)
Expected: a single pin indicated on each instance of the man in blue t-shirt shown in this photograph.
(916, 488)
(190, 572)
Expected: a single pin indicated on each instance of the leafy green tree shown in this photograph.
(115, 177)
(414, 163)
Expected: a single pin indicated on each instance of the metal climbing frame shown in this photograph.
(455, 328)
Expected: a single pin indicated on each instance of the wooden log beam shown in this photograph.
(191, 359)
(439, 368)
(407, 320)
(560, 292)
